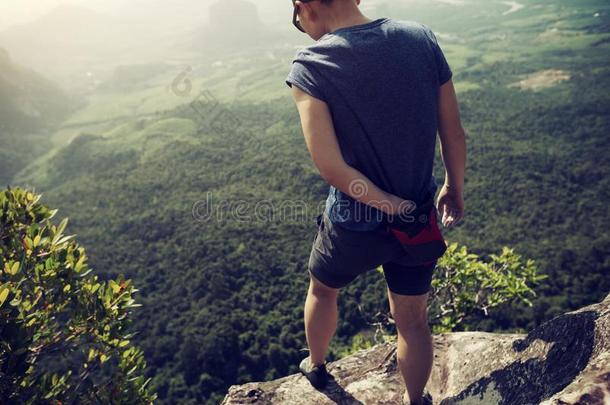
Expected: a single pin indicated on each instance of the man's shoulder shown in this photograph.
(334, 46)
(406, 24)
(318, 49)
(411, 27)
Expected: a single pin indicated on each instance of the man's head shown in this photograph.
(319, 17)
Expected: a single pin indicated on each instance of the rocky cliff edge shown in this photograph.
(565, 360)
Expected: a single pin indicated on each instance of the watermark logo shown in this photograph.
(209, 114)
(182, 85)
(358, 188)
(294, 210)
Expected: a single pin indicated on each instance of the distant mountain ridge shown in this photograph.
(228, 29)
(28, 101)
(30, 105)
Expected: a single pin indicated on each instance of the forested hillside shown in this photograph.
(222, 298)
(31, 107)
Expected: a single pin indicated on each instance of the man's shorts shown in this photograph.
(339, 255)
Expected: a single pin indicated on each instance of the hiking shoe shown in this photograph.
(317, 375)
(426, 398)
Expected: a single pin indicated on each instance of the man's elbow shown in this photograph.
(455, 135)
(328, 175)
(331, 173)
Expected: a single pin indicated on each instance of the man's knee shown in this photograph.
(409, 311)
(318, 288)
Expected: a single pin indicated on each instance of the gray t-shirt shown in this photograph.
(381, 82)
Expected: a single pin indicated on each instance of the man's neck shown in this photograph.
(356, 19)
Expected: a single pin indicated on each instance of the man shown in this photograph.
(372, 95)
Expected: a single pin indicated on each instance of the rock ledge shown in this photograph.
(565, 360)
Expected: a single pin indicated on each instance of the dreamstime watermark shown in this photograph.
(300, 210)
(211, 115)
(243, 210)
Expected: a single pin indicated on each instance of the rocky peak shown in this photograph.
(565, 360)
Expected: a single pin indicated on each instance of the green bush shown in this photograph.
(465, 284)
(63, 333)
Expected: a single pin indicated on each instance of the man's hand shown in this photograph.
(450, 204)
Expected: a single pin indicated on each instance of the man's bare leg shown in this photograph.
(320, 318)
(414, 345)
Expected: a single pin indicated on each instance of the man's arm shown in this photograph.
(323, 147)
(452, 136)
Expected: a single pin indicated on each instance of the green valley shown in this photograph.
(134, 167)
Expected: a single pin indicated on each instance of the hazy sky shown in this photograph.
(20, 11)
(270, 11)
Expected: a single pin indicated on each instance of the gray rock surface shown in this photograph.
(565, 360)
